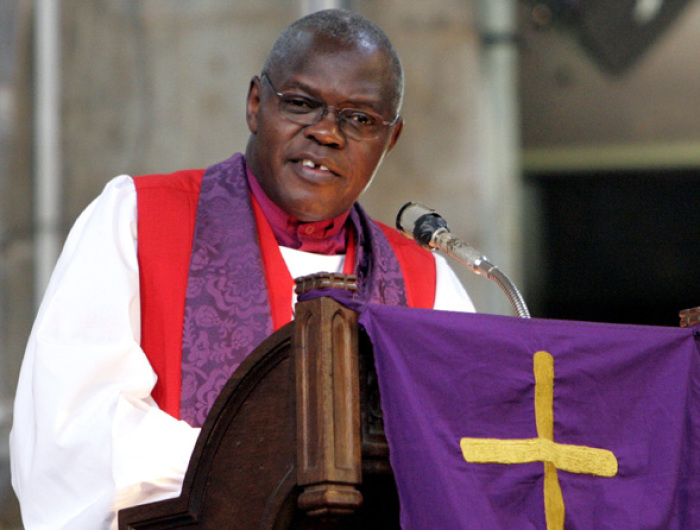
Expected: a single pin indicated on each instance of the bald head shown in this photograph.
(338, 29)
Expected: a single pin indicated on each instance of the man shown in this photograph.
(133, 341)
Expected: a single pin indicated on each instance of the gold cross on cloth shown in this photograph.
(572, 458)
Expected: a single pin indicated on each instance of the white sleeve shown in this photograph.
(450, 294)
(87, 438)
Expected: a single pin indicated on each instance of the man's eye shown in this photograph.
(298, 104)
(360, 119)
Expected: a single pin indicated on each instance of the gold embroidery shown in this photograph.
(572, 458)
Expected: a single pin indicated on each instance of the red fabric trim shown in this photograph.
(349, 265)
(167, 207)
(280, 283)
(418, 267)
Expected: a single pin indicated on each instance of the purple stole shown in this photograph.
(227, 309)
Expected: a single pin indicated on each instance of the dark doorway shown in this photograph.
(617, 246)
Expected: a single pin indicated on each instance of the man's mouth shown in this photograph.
(311, 164)
(316, 169)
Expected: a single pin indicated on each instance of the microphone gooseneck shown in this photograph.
(430, 231)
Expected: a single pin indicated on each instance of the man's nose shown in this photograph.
(327, 130)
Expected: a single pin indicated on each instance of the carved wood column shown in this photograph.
(329, 459)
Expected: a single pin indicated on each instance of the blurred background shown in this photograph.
(561, 138)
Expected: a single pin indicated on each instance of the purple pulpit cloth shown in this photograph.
(633, 391)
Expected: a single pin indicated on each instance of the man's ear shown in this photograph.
(252, 105)
(395, 134)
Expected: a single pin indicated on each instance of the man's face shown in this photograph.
(287, 158)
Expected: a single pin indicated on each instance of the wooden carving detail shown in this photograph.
(329, 457)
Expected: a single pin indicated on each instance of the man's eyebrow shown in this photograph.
(298, 85)
(352, 103)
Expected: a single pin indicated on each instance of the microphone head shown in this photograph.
(419, 222)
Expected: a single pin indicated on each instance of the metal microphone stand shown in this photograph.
(430, 231)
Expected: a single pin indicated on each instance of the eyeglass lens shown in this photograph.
(304, 110)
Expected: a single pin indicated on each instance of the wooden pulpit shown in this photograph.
(295, 439)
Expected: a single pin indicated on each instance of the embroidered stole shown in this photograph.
(227, 307)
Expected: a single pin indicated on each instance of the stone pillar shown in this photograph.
(456, 153)
(16, 299)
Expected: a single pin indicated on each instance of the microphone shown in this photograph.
(430, 231)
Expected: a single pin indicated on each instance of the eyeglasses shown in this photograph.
(304, 110)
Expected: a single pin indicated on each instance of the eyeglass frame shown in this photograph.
(340, 112)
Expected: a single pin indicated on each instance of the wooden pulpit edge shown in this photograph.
(311, 369)
(183, 511)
